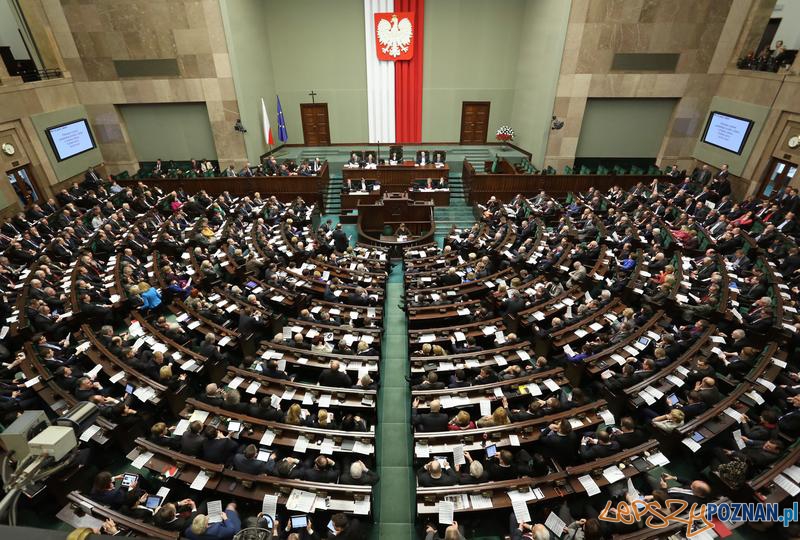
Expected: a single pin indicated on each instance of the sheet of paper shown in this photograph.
(446, 511)
(89, 433)
(513, 439)
(551, 385)
(608, 417)
(480, 502)
(555, 524)
(737, 438)
(269, 506)
(214, 511)
(521, 512)
(181, 427)
(658, 459)
(787, 485)
(200, 481)
(301, 444)
(691, 444)
(300, 501)
(458, 455)
(589, 485)
(267, 438)
(613, 474)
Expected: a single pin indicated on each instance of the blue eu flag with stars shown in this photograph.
(282, 136)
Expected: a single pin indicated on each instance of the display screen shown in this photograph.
(70, 139)
(298, 522)
(727, 132)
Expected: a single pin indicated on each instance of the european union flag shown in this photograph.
(282, 136)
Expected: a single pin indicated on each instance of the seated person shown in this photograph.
(433, 474)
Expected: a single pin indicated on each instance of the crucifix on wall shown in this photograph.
(312, 94)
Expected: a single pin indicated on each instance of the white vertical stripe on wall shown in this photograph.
(380, 78)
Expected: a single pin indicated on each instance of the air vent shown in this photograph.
(162, 67)
(665, 62)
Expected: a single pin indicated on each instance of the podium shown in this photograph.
(377, 222)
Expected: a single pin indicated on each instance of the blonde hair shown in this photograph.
(144, 287)
(462, 419)
(199, 524)
(322, 417)
(293, 415)
(500, 417)
(165, 372)
(676, 415)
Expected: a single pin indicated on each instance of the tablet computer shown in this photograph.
(299, 522)
(153, 502)
(697, 437)
(672, 399)
(491, 450)
(128, 479)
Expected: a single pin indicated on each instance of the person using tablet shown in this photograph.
(105, 492)
(297, 528)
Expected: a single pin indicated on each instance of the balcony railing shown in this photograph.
(40, 75)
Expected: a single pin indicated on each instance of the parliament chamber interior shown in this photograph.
(400, 269)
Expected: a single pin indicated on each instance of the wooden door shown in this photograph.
(474, 122)
(24, 185)
(316, 130)
(780, 174)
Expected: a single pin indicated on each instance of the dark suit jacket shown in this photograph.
(429, 421)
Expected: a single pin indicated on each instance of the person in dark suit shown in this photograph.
(708, 391)
(601, 446)
(758, 454)
(435, 420)
(422, 158)
(91, 180)
(358, 474)
(346, 528)
(628, 435)
(192, 440)
(433, 474)
(246, 461)
(694, 406)
(693, 492)
(701, 175)
(334, 377)
(217, 448)
(324, 470)
(104, 491)
(175, 516)
(340, 241)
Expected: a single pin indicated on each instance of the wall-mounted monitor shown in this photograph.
(70, 139)
(727, 131)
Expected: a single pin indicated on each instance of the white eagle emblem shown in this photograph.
(395, 37)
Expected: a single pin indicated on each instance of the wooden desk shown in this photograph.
(440, 197)
(397, 177)
(392, 210)
(284, 188)
(505, 184)
(351, 201)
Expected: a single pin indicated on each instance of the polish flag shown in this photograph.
(265, 120)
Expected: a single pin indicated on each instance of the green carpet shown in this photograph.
(394, 496)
